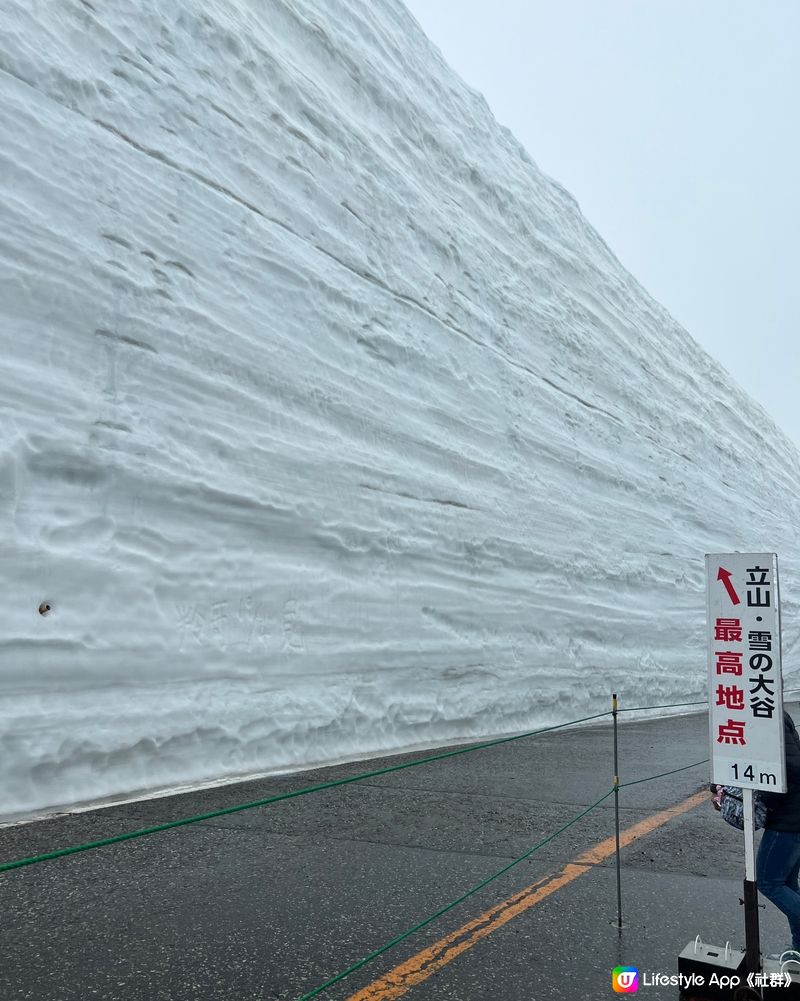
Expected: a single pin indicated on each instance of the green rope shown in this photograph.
(660, 775)
(671, 705)
(400, 938)
(19, 863)
(158, 828)
(406, 934)
(444, 910)
(61, 852)
(677, 705)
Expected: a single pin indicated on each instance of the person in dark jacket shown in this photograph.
(778, 861)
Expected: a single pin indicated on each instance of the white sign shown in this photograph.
(745, 685)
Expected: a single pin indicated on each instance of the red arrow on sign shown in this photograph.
(725, 576)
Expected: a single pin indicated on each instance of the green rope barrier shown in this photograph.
(400, 938)
(19, 863)
(670, 705)
(406, 934)
(676, 705)
(158, 828)
(660, 775)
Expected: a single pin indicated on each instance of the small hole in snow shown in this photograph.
(44, 608)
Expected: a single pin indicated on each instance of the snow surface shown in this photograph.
(329, 424)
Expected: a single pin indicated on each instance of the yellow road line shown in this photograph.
(414, 971)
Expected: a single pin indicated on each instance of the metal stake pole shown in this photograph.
(616, 808)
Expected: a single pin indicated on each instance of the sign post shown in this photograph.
(745, 704)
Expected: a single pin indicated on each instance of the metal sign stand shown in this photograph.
(752, 942)
(746, 697)
(745, 717)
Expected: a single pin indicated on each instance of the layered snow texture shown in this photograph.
(329, 424)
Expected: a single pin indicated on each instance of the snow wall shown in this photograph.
(329, 424)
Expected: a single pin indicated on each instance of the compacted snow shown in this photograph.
(329, 424)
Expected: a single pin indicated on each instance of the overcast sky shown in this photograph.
(675, 125)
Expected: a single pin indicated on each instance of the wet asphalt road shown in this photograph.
(270, 902)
